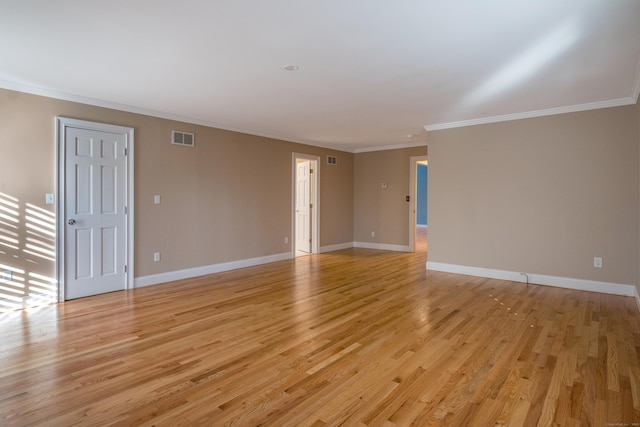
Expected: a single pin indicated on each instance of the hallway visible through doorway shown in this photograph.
(421, 239)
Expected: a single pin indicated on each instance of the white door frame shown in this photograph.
(413, 191)
(315, 201)
(62, 123)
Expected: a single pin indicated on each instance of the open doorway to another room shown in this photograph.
(418, 219)
(306, 206)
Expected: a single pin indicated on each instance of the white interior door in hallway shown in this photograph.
(303, 206)
(95, 211)
(305, 218)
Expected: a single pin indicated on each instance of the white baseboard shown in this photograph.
(209, 269)
(338, 247)
(365, 245)
(381, 246)
(540, 279)
(188, 273)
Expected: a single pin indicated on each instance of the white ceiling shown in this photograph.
(371, 72)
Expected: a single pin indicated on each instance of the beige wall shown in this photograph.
(638, 206)
(383, 211)
(337, 194)
(226, 199)
(542, 195)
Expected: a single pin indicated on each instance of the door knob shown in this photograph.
(72, 222)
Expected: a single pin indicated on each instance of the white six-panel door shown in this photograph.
(95, 212)
(303, 210)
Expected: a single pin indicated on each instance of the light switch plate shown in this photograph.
(49, 198)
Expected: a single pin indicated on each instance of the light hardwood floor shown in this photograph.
(354, 337)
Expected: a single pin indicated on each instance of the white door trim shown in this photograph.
(315, 200)
(413, 191)
(62, 123)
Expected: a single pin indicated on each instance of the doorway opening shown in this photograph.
(418, 203)
(306, 205)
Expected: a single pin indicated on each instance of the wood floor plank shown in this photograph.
(356, 337)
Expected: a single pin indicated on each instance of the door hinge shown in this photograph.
(125, 268)
(126, 210)
(126, 151)
(310, 205)
(310, 170)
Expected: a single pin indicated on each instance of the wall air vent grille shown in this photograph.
(182, 138)
(332, 160)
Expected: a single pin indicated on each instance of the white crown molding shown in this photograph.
(538, 113)
(35, 90)
(49, 93)
(64, 96)
(391, 147)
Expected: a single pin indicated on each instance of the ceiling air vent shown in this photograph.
(332, 160)
(182, 138)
